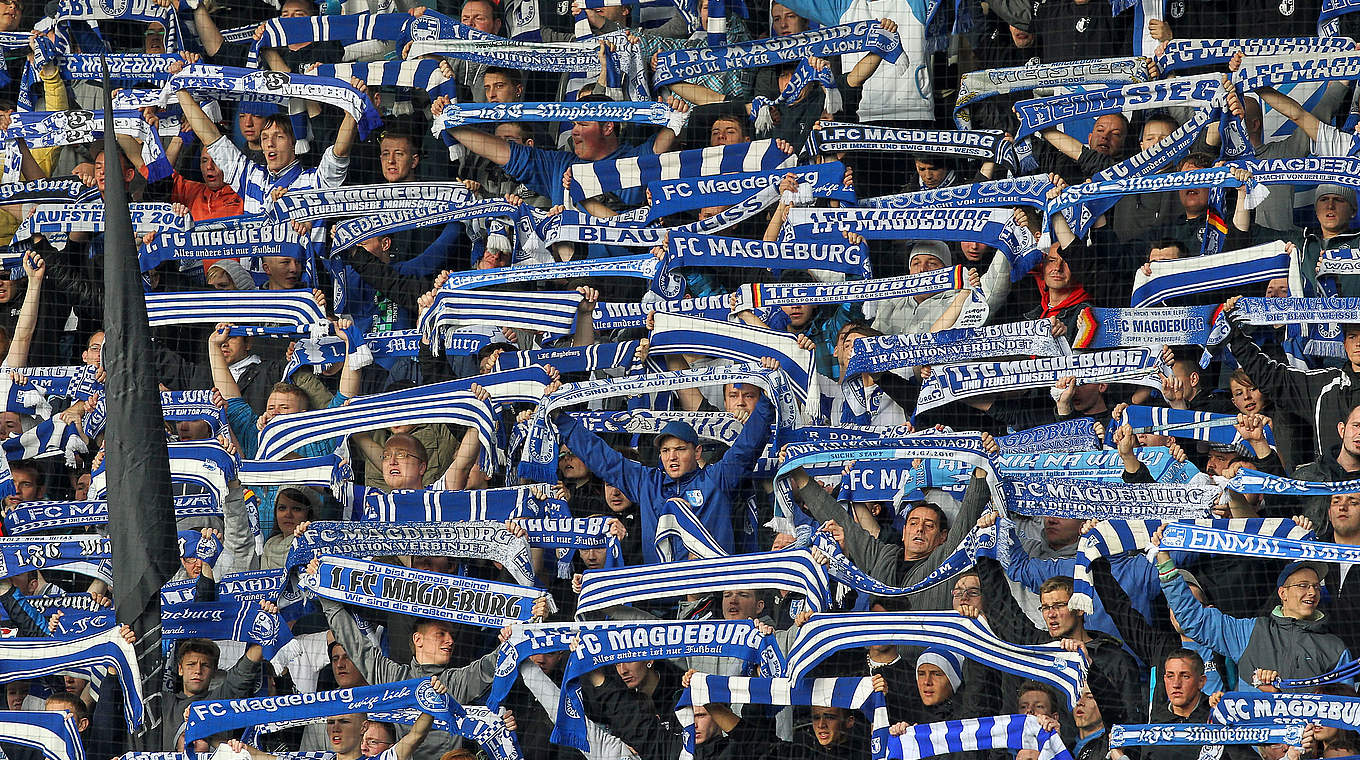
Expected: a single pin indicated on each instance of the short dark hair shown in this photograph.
(513, 75)
(198, 646)
(742, 124)
(282, 121)
(1181, 250)
(1056, 583)
(70, 702)
(1164, 118)
(390, 729)
(31, 467)
(940, 516)
(1028, 686)
(1189, 655)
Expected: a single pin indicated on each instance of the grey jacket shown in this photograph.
(238, 681)
(465, 684)
(884, 561)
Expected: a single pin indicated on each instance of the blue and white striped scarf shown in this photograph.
(685, 250)
(295, 308)
(146, 11)
(1185, 423)
(643, 267)
(34, 516)
(1250, 481)
(22, 659)
(1292, 69)
(350, 28)
(1254, 708)
(738, 342)
(470, 540)
(303, 471)
(57, 190)
(374, 347)
(1212, 539)
(402, 76)
(791, 570)
(1139, 366)
(572, 226)
(1202, 274)
(494, 504)
(1114, 189)
(654, 641)
(1084, 500)
(20, 554)
(687, 193)
(848, 693)
(981, 145)
(825, 635)
(1169, 326)
(995, 542)
(243, 621)
(979, 85)
(617, 316)
(888, 352)
(1183, 54)
(859, 37)
(176, 406)
(549, 312)
(53, 734)
(573, 358)
(539, 458)
(804, 75)
(591, 179)
(351, 232)
(426, 595)
(1002, 732)
(567, 534)
(1181, 735)
(1344, 672)
(229, 83)
(676, 521)
(48, 129)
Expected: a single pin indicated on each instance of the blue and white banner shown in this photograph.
(233, 237)
(573, 358)
(226, 621)
(687, 193)
(1248, 480)
(1002, 732)
(1039, 114)
(425, 505)
(1085, 500)
(1137, 366)
(351, 232)
(683, 250)
(1012, 191)
(434, 596)
(1184, 54)
(1064, 436)
(1185, 423)
(1203, 274)
(52, 734)
(1324, 67)
(35, 516)
(228, 83)
(464, 114)
(982, 145)
(888, 352)
(596, 178)
(89, 217)
(472, 540)
(757, 296)
(364, 200)
(1236, 708)
(1099, 328)
(859, 37)
(1182, 735)
(1215, 538)
(977, 85)
(22, 659)
(21, 554)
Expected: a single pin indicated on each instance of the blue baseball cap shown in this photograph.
(1294, 567)
(678, 429)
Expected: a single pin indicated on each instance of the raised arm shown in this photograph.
(27, 322)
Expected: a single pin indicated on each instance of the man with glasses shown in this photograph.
(1293, 640)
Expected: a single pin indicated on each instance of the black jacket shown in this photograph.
(645, 723)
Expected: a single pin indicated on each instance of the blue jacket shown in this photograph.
(1135, 575)
(1294, 648)
(708, 490)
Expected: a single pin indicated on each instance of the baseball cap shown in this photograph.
(1294, 567)
(678, 429)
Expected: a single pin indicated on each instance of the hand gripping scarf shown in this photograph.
(35, 516)
(22, 659)
(791, 570)
(539, 459)
(1013, 191)
(146, 11)
(349, 28)
(1250, 707)
(1305, 67)
(472, 540)
(1077, 195)
(888, 352)
(656, 641)
(1184, 423)
(596, 178)
(574, 358)
(859, 37)
(995, 542)
(978, 85)
(849, 693)
(574, 227)
(234, 237)
(548, 312)
(688, 193)
(426, 595)
(1001, 732)
(1214, 539)
(53, 734)
(739, 342)
(825, 634)
(1065, 436)
(1140, 366)
(227, 83)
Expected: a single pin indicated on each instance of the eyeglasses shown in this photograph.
(1053, 607)
(392, 456)
(1305, 586)
(366, 742)
(966, 593)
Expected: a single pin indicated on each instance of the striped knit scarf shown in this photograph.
(688, 193)
(351, 232)
(849, 693)
(549, 312)
(48, 129)
(804, 75)
(825, 635)
(459, 115)
(1002, 732)
(997, 542)
(1181, 735)
(1184, 423)
(295, 308)
(227, 83)
(539, 459)
(756, 296)
(53, 734)
(1202, 274)
(589, 180)
(1265, 541)
(859, 37)
(363, 200)
(738, 342)
(491, 504)
(65, 219)
(404, 77)
(146, 11)
(351, 28)
(22, 659)
(791, 570)
(675, 520)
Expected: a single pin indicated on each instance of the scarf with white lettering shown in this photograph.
(712, 426)
(791, 570)
(1215, 539)
(1113, 189)
(1170, 326)
(231, 620)
(176, 406)
(490, 504)
(1013, 191)
(1039, 114)
(22, 659)
(146, 217)
(596, 178)
(1344, 672)
(34, 516)
(1084, 500)
(888, 352)
(1181, 735)
(539, 458)
(643, 267)
(1202, 274)
(739, 342)
(464, 114)
(859, 37)
(656, 641)
(995, 542)
(548, 312)
(1286, 311)
(1002, 732)
(471, 540)
(1067, 435)
(234, 237)
(1307, 67)
(146, 11)
(57, 190)
(351, 232)
(684, 250)
(978, 85)
(1251, 481)
(803, 76)
(295, 308)
(825, 635)
(53, 734)
(573, 358)
(1184, 54)
(1139, 366)
(1253, 707)
(565, 535)
(426, 595)
(982, 145)
(228, 83)
(848, 693)
(686, 193)
(379, 347)
(20, 554)
(756, 296)
(620, 315)
(361, 200)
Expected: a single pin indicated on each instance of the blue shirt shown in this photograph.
(542, 170)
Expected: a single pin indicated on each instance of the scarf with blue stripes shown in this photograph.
(1001, 732)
